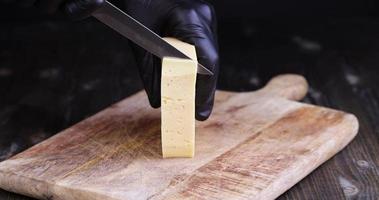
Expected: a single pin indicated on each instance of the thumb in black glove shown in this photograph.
(75, 9)
(192, 21)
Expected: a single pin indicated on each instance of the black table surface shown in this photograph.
(54, 74)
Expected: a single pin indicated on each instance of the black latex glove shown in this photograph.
(75, 9)
(191, 21)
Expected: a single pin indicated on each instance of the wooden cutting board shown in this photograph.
(256, 145)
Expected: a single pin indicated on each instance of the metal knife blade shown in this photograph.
(139, 34)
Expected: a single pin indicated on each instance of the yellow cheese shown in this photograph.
(178, 102)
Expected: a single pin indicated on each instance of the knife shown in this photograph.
(140, 34)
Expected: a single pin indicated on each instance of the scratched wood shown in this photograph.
(256, 145)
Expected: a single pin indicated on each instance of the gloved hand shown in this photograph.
(75, 9)
(191, 21)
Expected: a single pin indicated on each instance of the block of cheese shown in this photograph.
(178, 102)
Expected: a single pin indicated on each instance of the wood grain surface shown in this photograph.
(256, 146)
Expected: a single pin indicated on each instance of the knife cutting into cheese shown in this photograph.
(139, 34)
(183, 95)
(178, 79)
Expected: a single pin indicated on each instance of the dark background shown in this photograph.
(54, 73)
(252, 9)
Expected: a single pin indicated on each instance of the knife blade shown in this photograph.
(140, 34)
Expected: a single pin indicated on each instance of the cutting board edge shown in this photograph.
(46, 190)
(21, 180)
(348, 118)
